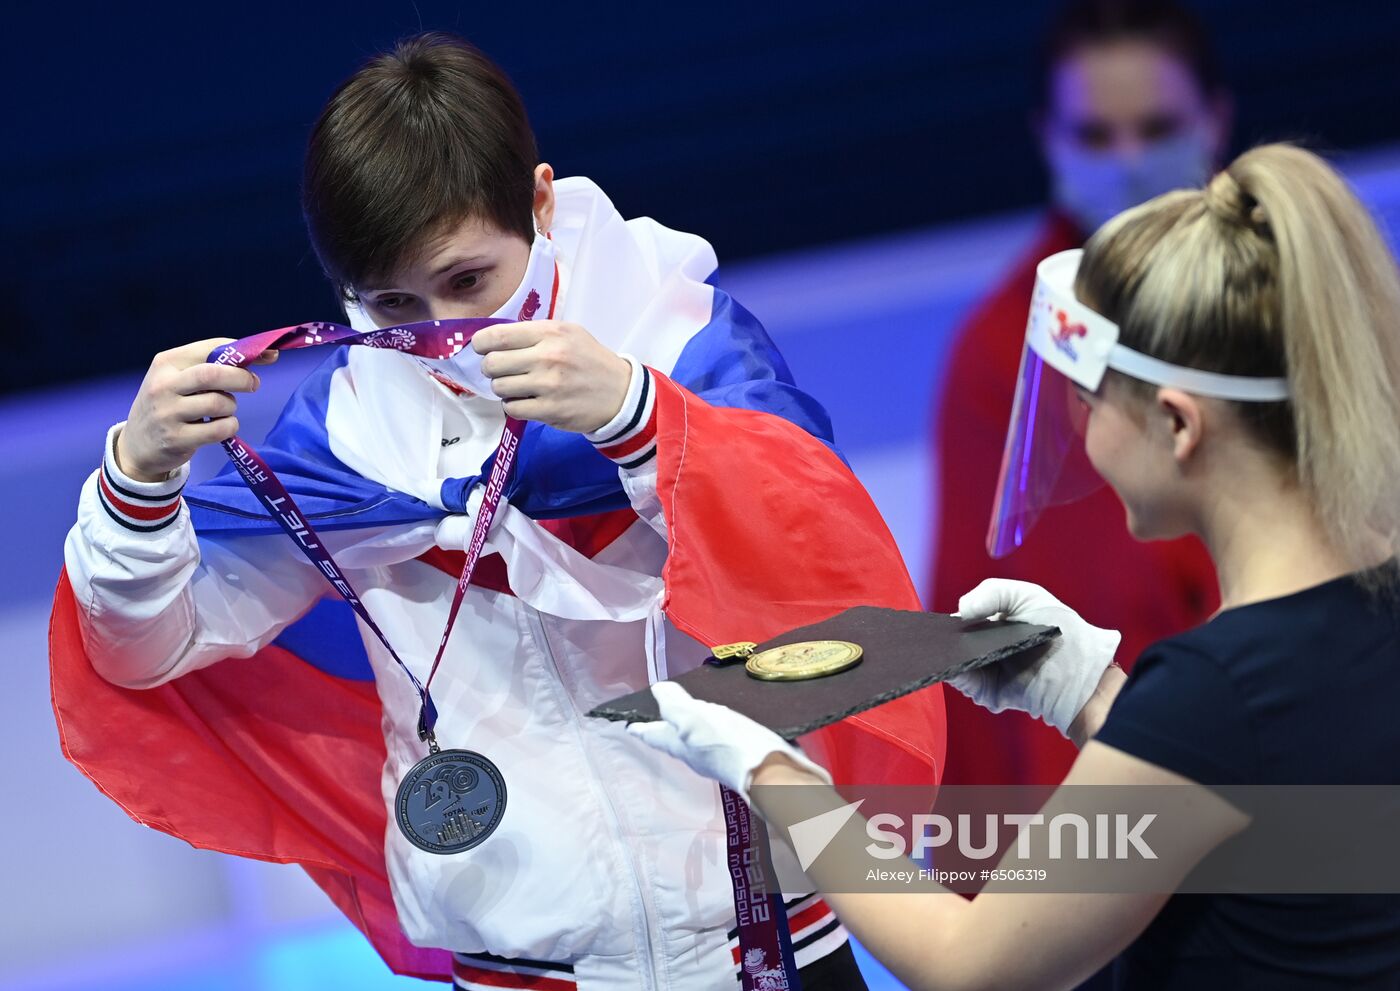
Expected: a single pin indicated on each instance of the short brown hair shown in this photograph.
(417, 140)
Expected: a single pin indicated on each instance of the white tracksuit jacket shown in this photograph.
(609, 867)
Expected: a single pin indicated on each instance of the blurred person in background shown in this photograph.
(1133, 105)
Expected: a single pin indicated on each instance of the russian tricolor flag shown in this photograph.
(279, 757)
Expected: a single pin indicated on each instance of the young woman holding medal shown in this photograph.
(1232, 358)
(527, 512)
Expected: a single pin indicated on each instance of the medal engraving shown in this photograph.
(450, 801)
(801, 661)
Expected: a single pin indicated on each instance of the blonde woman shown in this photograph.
(1246, 338)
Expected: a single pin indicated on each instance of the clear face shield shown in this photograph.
(1069, 347)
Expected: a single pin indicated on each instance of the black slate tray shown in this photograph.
(904, 651)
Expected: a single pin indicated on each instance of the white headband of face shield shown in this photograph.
(1081, 345)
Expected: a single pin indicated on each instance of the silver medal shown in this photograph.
(450, 801)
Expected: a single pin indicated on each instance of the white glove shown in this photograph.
(714, 740)
(1051, 684)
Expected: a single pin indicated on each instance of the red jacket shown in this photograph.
(1082, 552)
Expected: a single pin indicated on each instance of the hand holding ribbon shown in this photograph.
(183, 404)
(436, 339)
(555, 372)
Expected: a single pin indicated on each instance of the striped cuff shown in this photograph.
(144, 507)
(814, 928)
(488, 972)
(629, 440)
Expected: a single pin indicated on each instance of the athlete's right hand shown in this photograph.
(182, 391)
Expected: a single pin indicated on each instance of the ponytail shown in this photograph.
(1275, 269)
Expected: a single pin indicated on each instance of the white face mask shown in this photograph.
(538, 279)
(1095, 186)
(532, 299)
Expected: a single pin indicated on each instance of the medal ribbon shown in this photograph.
(765, 944)
(437, 339)
(766, 960)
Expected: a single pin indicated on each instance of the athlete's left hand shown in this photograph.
(554, 372)
(714, 740)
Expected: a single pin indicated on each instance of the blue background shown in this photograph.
(153, 150)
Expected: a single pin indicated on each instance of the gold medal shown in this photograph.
(801, 661)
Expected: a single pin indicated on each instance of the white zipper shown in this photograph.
(604, 799)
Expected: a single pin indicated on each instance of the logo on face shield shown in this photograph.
(1064, 333)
